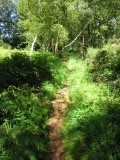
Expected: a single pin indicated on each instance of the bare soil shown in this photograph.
(55, 146)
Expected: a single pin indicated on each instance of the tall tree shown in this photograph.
(50, 19)
(8, 20)
(44, 19)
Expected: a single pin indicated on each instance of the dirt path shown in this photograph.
(55, 146)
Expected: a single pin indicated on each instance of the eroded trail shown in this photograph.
(55, 146)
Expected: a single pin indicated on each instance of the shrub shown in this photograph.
(20, 69)
(16, 71)
(24, 110)
(23, 133)
(91, 122)
(106, 65)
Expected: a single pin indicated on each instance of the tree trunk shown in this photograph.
(53, 48)
(56, 46)
(31, 52)
(82, 52)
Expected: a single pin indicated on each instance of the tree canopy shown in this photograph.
(8, 20)
(56, 22)
(71, 79)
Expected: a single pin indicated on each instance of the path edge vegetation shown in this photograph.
(25, 103)
(70, 30)
(91, 125)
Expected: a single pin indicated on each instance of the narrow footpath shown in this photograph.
(55, 146)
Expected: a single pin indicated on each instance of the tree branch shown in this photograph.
(76, 37)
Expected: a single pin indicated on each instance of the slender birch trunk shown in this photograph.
(31, 52)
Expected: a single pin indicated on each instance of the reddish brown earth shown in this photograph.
(55, 146)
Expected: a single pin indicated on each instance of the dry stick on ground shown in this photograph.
(76, 37)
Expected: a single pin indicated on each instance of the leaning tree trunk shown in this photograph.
(76, 37)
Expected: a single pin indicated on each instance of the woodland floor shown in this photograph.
(55, 146)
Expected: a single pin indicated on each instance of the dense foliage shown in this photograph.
(9, 31)
(58, 22)
(27, 85)
(23, 131)
(20, 69)
(55, 22)
(106, 65)
(91, 124)
(87, 29)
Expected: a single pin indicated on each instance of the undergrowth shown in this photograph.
(20, 68)
(23, 131)
(27, 86)
(105, 64)
(91, 123)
